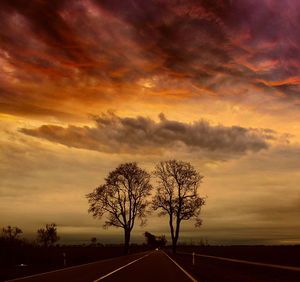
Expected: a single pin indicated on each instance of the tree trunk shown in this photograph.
(127, 240)
(175, 238)
(174, 243)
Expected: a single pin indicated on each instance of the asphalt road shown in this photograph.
(294, 268)
(219, 269)
(147, 266)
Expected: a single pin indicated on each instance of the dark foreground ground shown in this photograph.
(205, 269)
(146, 267)
(214, 270)
(285, 255)
(23, 260)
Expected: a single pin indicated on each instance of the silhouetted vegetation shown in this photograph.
(177, 195)
(122, 198)
(155, 241)
(93, 241)
(11, 233)
(48, 235)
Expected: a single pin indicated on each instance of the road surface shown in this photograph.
(147, 266)
(209, 268)
(294, 268)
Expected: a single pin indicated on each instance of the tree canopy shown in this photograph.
(122, 198)
(11, 233)
(48, 235)
(177, 194)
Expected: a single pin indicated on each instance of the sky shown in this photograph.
(86, 85)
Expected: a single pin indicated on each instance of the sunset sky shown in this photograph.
(86, 85)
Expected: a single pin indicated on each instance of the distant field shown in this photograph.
(213, 270)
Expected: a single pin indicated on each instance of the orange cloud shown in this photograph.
(87, 54)
(205, 90)
(291, 80)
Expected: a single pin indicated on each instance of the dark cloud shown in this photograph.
(269, 207)
(141, 135)
(280, 211)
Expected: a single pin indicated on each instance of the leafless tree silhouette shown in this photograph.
(122, 198)
(176, 194)
(11, 233)
(48, 236)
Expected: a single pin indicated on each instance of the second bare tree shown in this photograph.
(177, 195)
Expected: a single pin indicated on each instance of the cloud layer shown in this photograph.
(141, 135)
(103, 51)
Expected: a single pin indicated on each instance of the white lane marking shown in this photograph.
(108, 274)
(295, 268)
(61, 269)
(184, 271)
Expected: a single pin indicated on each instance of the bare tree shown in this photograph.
(11, 233)
(122, 198)
(48, 236)
(176, 194)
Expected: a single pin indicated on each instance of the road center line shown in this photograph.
(108, 274)
(295, 268)
(184, 271)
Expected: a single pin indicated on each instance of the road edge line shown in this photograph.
(279, 266)
(116, 270)
(181, 268)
